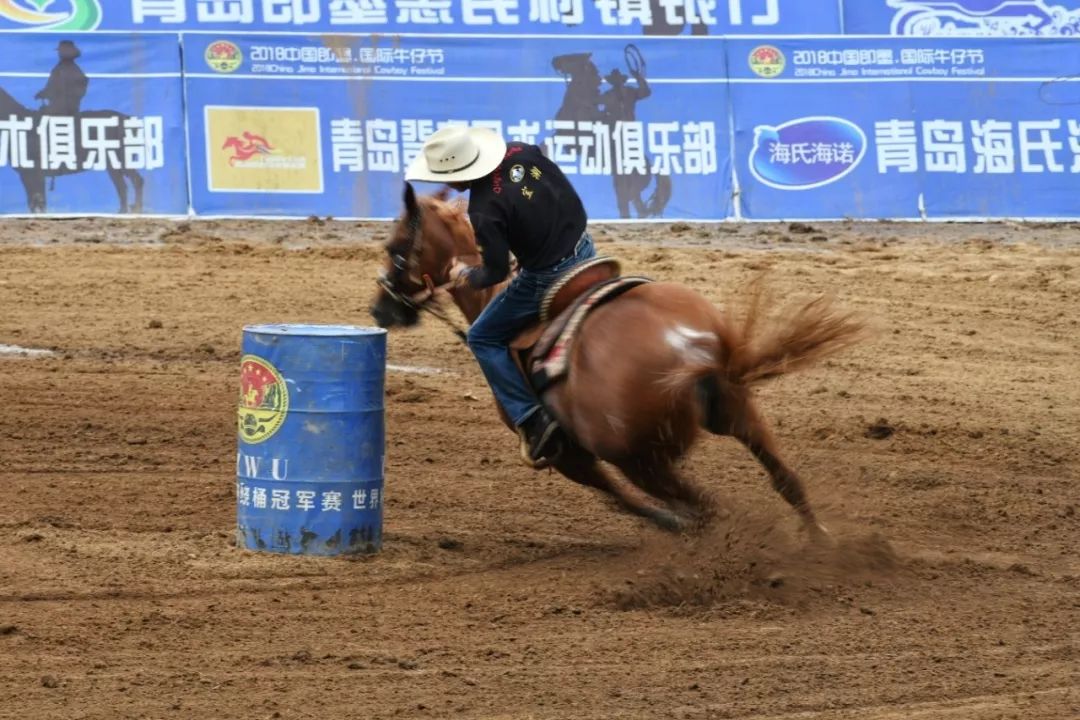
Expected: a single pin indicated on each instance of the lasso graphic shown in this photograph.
(81, 15)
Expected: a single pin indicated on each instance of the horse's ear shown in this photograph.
(443, 193)
(411, 207)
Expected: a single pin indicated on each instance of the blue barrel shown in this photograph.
(311, 439)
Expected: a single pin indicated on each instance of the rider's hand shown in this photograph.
(459, 274)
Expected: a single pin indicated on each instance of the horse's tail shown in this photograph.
(804, 335)
(745, 353)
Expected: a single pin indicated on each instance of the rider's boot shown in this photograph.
(541, 440)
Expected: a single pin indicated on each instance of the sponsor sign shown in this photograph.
(263, 149)
(326, 126)
(91, 123)
(906, 128)
(556, 17)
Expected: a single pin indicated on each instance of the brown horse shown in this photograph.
(649, 370)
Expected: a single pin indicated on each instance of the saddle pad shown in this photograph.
(551, 357)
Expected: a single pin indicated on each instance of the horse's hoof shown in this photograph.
(820, 536)
(669, 521)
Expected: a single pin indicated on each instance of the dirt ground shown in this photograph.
(944, 452)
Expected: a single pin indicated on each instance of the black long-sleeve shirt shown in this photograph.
(65, 89)
(526, 207)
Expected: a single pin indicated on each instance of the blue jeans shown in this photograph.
(510, 312)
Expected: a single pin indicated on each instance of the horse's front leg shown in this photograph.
(34, 183)
(656, 474)
(582, 467)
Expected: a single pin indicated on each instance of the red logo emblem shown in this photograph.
(247, 146)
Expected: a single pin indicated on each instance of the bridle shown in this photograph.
(421, 300)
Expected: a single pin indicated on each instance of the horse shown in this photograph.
(33, 178)
(648, 370)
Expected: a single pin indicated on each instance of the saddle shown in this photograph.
(542, 351)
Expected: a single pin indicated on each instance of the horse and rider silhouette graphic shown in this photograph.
(62, 96)
(584, 102)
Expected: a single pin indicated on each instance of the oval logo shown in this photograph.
(767, 61)
(264, 400)
(223, 56)
(806, 153)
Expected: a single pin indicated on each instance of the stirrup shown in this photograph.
(543, 462)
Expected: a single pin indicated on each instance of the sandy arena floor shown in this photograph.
(944, 452)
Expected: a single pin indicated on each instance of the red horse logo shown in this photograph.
(249, 146)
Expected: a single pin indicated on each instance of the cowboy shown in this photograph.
(519, 202)
(64, 91)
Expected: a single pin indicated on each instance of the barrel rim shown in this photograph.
(313, 330)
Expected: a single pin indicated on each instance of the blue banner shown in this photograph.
(959, 18)
(559, 17)
(879, 128)
(92, 124)
(308, 125)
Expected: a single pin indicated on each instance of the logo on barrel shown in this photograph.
(264, 400)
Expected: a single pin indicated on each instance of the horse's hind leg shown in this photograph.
(583, 468)
(137, 184)
(117, 177)
(729, 410)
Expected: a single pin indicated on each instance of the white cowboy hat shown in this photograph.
(457, 154)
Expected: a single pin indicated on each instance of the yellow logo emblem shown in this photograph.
(263, 149)
(223, 56)
(767, 61)
(264, 400)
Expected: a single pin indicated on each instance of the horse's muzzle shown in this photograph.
(389, 313)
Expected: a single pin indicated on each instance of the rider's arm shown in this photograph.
(490, 232)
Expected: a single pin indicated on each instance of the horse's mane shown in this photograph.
(452, 214)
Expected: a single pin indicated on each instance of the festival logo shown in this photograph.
(263, 149)
(51, 15)
(767, 61)
(264, 400)
(806, 153)
(1008, 18)
(223, 56)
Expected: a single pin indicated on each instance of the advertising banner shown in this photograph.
(958, 18)
(904, 128)
(555, 17)
(91, 124)
(287, 125)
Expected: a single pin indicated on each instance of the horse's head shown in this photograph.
(420, 251)
(9, 105)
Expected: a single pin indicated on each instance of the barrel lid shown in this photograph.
(313, 330)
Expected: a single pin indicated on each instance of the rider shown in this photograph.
(64, 91)
(519, 202)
